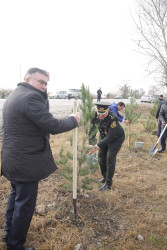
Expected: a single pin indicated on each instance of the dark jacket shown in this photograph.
(26, 154)
(163, 112)
(109, 128)
(99, 92)
(161, 101)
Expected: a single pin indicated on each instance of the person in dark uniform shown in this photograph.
(111, 138)
(163, 120)
(99, 93)
(26, 156)
(160, 102)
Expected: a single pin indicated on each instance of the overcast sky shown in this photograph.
(77, 41)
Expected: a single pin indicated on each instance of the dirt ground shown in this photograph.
(130, 216)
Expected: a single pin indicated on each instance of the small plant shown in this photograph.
(132, 115)
(87, 110)
(66, 169)
(156, 240)
(84, 169)
(151, 122)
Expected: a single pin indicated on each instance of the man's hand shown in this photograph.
(126, 121)
(93, 149)
(163, 123)
(76, 116)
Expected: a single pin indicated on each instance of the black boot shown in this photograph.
(102, 180)
(106, 186)
(161, 150)
(5, 236)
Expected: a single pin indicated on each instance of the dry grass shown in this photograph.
(136, 204)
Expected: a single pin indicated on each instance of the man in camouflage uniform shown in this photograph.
(111, 137)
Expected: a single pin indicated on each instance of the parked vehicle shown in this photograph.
(148, 98)
(59, 95)
(118, 97)
(73, 93)
(52, 97)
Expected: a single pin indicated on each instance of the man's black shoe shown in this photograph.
(102, 180)
(5, 236)
(161, 150)
(105, 187)
(29, 248)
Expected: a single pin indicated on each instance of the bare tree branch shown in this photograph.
(150, 19)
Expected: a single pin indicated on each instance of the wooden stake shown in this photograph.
(75, 165)
(128, 134)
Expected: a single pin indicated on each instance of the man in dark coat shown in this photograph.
(110, 141)
(160, 102)
(99, 93)
(26, 154)
(163, 120)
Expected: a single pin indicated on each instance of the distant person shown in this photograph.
(160, 101)
(26, 156)
(161, 98)
(99, 93)
(110, 141)
(117, 107)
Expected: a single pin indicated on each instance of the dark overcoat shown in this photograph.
(163, 112)
(26, 154)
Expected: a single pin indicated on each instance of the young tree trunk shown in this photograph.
(128, 134)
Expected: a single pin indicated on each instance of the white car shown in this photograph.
(148, 98)
(60, 94)
(118, 97)
(73, 93)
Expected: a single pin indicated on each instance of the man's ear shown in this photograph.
(27, 79)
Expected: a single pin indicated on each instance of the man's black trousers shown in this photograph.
(107, 159)
(19, 212)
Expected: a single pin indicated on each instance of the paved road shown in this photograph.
(63, 107)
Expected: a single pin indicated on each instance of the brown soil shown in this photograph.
(136, 205)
